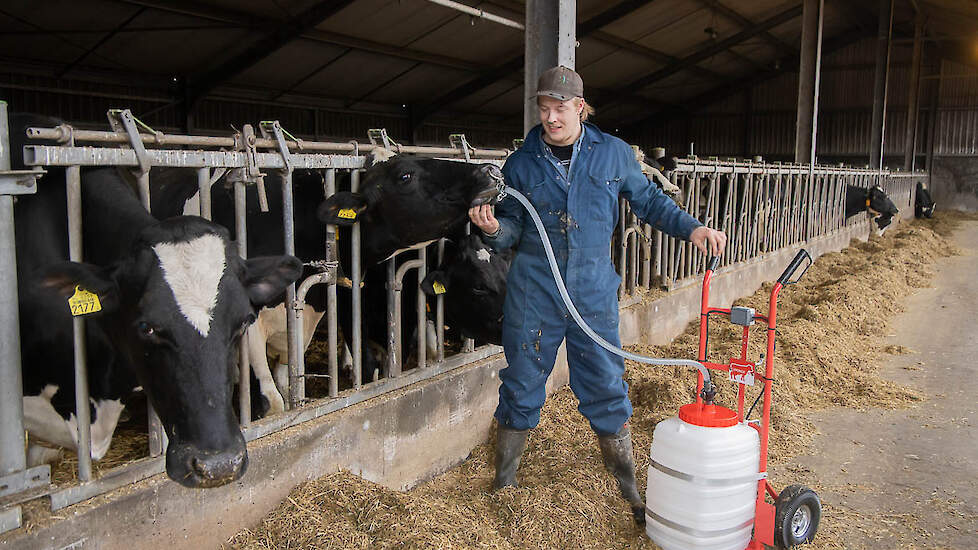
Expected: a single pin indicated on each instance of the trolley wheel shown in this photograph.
(797, 512)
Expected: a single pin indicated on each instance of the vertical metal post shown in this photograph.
(244, 365)
(913, 101)
(74, 203)
(808, 81)
(393, 318)
(885, 30)
(422, 310)
(331, 294)
(12, 457)
(551, 39)
(440, 307)
(355, 275)
(155, 432)
(204, 192)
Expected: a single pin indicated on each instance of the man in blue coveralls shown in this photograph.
(572, 173)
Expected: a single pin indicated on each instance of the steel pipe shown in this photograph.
(479, 13)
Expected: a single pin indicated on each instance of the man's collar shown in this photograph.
(534, 138)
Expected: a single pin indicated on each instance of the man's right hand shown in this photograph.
(483, 218)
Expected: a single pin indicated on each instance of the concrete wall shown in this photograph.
(399, 439)
(954, 182)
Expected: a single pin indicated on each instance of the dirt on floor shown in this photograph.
(829, 355)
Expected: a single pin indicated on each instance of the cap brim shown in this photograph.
(554, 95)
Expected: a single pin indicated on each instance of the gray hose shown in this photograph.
(577, 316)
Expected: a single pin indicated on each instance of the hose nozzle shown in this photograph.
(709, 392)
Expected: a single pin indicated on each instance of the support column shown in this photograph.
(913, 102)
(879, 88)
(551, 39)
(809, 75)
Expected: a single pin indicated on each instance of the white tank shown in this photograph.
(702, 480)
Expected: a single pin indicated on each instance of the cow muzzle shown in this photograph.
(192, 467)
(491, 194)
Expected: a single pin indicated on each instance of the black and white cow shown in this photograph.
(924, 205)
(873, 200)
(174, 297)
(473, 280)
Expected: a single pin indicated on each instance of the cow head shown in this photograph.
(176, 306)
(879, 204)
(408, 200)
(474, 283)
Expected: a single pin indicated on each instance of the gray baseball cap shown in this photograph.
(559, 83)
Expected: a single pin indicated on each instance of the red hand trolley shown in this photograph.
(794, 516)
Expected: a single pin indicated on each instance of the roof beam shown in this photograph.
(650, 53)
(285, 32)
(710, 51)
(745, 24)
(515, 64)
(108, 36)
(788, 63)
(247, 20)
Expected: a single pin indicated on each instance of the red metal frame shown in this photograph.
(764, 511)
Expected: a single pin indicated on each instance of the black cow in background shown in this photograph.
(873, 200)
(473, 280)
(400, 202)
(924, 205)
(174, 299)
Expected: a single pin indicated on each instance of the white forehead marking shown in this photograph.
(193, 270)
(483, 255)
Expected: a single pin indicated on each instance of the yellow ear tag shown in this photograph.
(347, 213)
(867, 202)
(83, 302)
(438, 287)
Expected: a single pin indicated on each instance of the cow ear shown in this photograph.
(86, 288)
(342, 208)
(435, 283)
(266, 277)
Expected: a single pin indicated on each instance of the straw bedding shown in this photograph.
(830, 340)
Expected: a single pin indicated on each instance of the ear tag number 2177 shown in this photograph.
(83, 302)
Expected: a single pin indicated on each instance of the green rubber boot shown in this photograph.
(510, 445)
(616, 451)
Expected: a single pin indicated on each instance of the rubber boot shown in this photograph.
(510, 445)
(616, 451)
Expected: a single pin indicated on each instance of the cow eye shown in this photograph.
(406, 177)
(145, 329)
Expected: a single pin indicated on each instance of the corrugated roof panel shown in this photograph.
(616, 69)
(474, 102)
(287, 66)
(389, 21)
(417, 84)
(353, 74)
(483, 42)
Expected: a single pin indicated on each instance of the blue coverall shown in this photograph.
(579, 212)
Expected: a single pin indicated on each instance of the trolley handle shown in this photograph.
(801, 256)
(714, 262)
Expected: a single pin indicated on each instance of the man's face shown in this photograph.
(561, 119)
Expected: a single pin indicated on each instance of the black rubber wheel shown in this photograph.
(797, 512)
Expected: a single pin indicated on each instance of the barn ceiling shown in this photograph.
(637, 57)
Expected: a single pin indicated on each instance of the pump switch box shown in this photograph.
(743, 316)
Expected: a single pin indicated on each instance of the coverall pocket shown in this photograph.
(602, 197)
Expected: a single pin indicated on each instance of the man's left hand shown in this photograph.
(708, 241)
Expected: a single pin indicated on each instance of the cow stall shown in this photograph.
(766, 209)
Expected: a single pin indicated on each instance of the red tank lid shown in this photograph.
(709, 416)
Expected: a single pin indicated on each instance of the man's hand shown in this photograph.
(482, 217)
(709, 241)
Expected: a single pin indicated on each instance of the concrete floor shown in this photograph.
(909, 478)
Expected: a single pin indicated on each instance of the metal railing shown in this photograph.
(240, 158)
(762, 207)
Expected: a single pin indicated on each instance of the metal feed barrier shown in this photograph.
(762, 207)
(766, 207)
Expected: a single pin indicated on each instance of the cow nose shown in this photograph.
(218, 468)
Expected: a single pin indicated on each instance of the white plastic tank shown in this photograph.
(702, 480)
